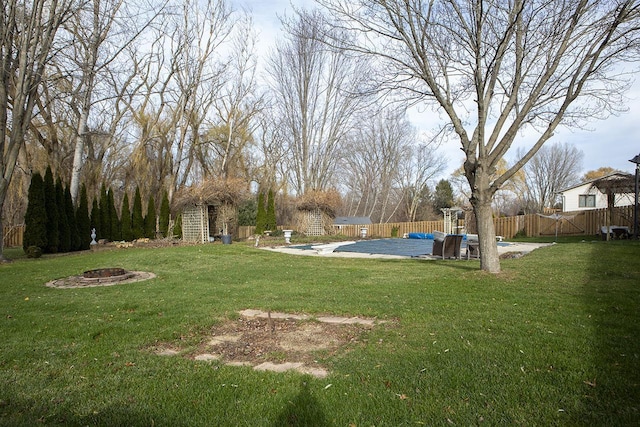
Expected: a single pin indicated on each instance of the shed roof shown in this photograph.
(352, 220)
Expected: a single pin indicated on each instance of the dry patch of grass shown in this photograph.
(279, 343)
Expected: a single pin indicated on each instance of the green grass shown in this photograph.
(553, 340)
(560, 239)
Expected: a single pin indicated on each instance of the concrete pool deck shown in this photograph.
(328, 250)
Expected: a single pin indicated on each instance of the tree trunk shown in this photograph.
(4, 184)
(489, 259)
(78, 152)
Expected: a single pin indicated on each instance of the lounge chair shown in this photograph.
(473, 246)
(446, 245)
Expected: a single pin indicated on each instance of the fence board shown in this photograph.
(13, 235)
(246, 231)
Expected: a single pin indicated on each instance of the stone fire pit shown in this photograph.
(106, 273)
(101, 277)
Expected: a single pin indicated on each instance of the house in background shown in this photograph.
(589, 195)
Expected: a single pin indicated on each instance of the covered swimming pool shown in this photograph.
(400, 247)
(413, 247)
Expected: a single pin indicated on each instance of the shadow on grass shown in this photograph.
(17, 412)
(302, 410)
(612, 297)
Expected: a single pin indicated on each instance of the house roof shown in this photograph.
(352, 220)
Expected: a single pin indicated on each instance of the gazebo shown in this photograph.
(209, 209)
(615, 183)
(316, 211)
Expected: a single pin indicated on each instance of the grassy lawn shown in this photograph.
(553, 340)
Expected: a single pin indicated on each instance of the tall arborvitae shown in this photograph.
(137, 220)
(165, 213)
(64, 233)
(125, 219)
(116, 233)
(150, 219)
(35, 218)
(83, 221)
(261, 216)
(95, 219)
(52, 213)
(71, 219)
(247, 211)
(271, 212)
(105, 214)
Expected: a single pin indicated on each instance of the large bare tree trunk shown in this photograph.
(490, 260)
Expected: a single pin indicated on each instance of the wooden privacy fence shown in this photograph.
(586, 223)
(577, 223)
(13, 235)
(387, 230)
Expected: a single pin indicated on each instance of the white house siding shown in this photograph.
(571, 198)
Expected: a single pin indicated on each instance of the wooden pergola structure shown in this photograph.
(610, 185)
(209, 208)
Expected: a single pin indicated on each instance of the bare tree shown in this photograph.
(180, 83)
(553, 168)
(316, 88)
(27, 33)
(378, 165)
(417, 172)
(237, 105)
(266, 163)
(511, 193)
(497, 68)
(101, 30)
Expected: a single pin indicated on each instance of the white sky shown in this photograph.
(611, 142)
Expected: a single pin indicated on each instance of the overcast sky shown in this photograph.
(611, 142)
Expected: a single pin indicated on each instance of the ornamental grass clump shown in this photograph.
(316, 210)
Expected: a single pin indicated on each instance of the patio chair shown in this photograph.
(615, 232)
(473, 246)
(446, 245)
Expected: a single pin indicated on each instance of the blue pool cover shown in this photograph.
(414, 247)
(401, 247)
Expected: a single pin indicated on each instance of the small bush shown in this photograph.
(394, 231)
(277, 233)
(33, 252)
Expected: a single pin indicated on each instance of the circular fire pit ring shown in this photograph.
(101, 277)
(104, 272)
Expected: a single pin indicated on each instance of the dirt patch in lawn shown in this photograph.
(276, 341)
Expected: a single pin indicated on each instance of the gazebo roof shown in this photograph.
(615, 183)
(212, 192)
